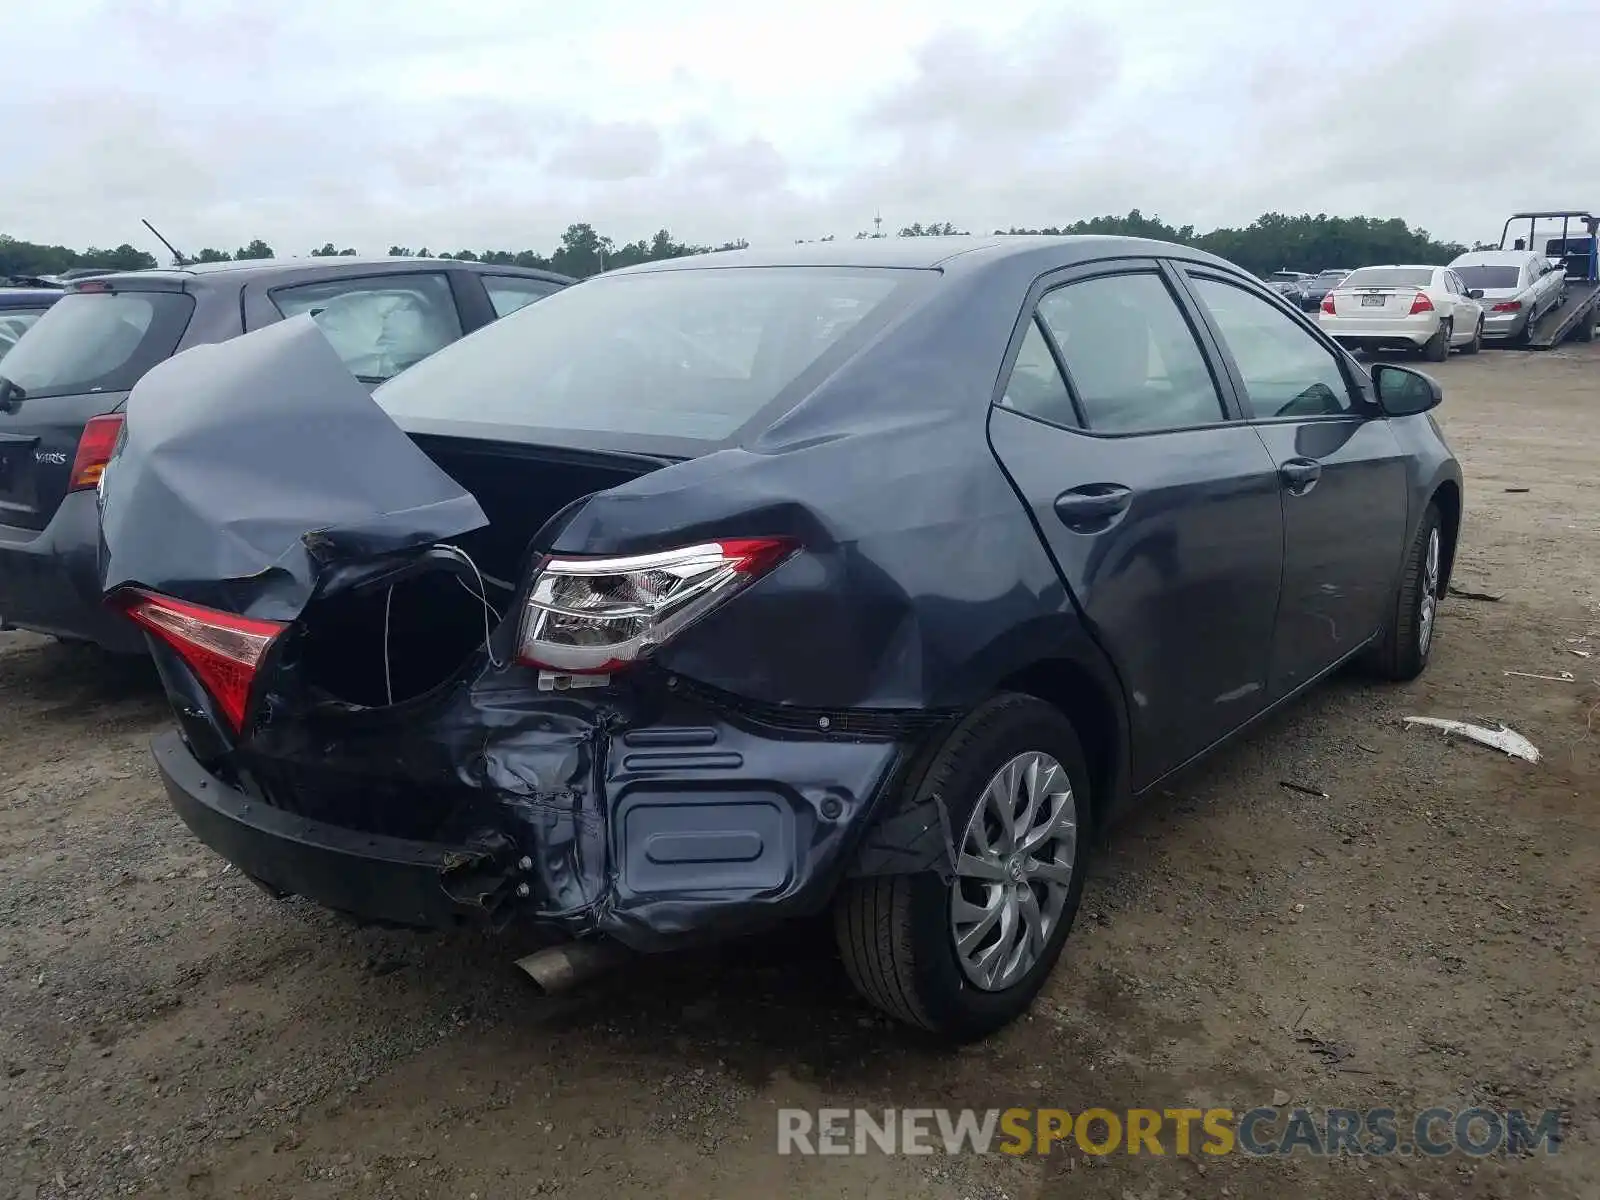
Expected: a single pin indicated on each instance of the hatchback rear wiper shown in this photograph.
(10, 395)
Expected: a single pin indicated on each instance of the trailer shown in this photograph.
(1576, 243)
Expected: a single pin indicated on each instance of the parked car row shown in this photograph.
(870, 577)
(1481, 296)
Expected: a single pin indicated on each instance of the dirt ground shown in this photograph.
(167, 1030)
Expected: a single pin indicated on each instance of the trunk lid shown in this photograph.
(1374, 303)
(250, 471)
(78, 361)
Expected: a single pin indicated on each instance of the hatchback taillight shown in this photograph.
(95, 447)
(594, 615)
(223, 650)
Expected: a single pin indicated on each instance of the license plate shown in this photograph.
(1373, 301)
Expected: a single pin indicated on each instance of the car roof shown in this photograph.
(1400, 267)
(946, 253)
(247, 270)
(26, 297)
(1474, 258)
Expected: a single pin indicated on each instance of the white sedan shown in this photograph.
(1404, 308)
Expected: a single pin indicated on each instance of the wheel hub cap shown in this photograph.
(1014, 871)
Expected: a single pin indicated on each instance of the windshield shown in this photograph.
(1490, 278)
(97, 342)
(1331, 277)
(1286, 277)
(683, 354)
(1389, 277)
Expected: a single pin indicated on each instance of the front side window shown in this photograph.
(379, 326)
(1130, 355)
(1286, 371)
(510, 292)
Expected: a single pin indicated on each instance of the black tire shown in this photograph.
(894, 932)
(1476, 343)
(1403, 653)
(1437, 348)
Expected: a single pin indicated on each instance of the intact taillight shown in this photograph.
(593, 615)
(1421, 304)
(1327, 304)
(223, 650)
(1508, 306)
(95, 447)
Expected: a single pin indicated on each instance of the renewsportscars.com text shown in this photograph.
(1261, 1131)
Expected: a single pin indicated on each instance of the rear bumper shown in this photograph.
(50, 579)
(1505, 325)
(658, 837)
(395, 880)
(1393, 332)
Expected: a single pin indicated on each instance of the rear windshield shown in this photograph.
(97, 342)
(691, 354)
(1389, 277)
(14, 322)
(1489, 279)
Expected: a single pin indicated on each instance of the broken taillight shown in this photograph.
(223, 650)
(95, 447)
(593, 615)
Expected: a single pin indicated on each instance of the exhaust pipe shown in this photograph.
(560, 968)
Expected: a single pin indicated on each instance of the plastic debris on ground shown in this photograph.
(1504, 739)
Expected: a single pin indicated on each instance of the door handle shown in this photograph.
(1092, 507)
(1298, 474)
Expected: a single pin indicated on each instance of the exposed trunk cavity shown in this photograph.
(391, 639)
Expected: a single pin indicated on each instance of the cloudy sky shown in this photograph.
(498, 122)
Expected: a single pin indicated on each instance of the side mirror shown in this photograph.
(1403, 392)
(1475, 294)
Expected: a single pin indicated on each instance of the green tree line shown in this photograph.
(1271, 242)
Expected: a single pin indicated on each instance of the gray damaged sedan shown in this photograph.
(867, 578)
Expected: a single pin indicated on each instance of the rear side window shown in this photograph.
(686, 354)
(1130, 354)
(98, 342)
(382, 325)
(1286, 371)
(14, 322)
(1036, 386)
(510, 292)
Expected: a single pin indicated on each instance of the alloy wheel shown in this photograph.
(1428, 602)
(1014, 871)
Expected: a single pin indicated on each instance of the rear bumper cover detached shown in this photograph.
(658, 836)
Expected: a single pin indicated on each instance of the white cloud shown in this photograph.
(498, 123)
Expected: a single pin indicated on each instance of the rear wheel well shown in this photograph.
(1073, 690)
(1447, 496)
